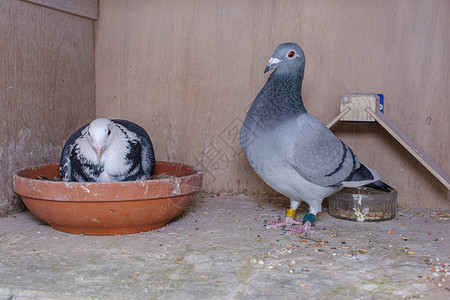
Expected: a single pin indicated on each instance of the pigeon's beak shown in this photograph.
(273, 62)
(99, 152)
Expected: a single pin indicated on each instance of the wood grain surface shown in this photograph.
(47, 87)
(188, 71)
(83, 8)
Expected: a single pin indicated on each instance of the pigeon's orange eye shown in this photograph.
(291, 54)
(109, 131)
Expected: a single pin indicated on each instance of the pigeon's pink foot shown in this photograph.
(287, 221)
(306, 229)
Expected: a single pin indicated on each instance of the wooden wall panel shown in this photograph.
(47, 87)
(188, 70)
(83, 8)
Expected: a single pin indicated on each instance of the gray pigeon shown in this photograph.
(108, 150)
(291, 150)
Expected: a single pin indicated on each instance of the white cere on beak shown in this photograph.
(272, 64)
(273, 61)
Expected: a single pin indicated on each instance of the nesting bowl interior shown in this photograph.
(108, 208)
(363, 204)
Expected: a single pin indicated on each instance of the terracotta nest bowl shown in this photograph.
(108, 208)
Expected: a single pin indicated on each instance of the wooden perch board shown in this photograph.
(407, 143)
(357, 104)
(82, 8)
(365, 107)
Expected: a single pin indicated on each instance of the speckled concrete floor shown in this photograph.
(217, 250)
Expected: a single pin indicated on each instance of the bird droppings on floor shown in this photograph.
(218, 250)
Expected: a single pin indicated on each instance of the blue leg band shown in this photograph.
(309, 217)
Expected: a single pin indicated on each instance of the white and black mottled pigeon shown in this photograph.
(291, 150)
(108, 150)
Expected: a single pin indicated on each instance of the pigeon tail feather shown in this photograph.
(361, 176)
(381, 186)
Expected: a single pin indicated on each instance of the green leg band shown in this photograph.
(309, 217)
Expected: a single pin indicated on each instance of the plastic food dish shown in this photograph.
(363, 204)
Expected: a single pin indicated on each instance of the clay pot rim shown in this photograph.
(16, 174)
(93, 191)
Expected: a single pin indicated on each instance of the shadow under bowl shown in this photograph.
(108, 208)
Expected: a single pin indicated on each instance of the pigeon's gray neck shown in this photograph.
(287, 89)
(280, 99)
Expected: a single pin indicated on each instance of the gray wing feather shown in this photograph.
(147, 157)
(147, 154)
(65, 165)
(318, 155)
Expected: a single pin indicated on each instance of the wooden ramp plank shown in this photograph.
(82, 8)
(338, 117)
(406, 142)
